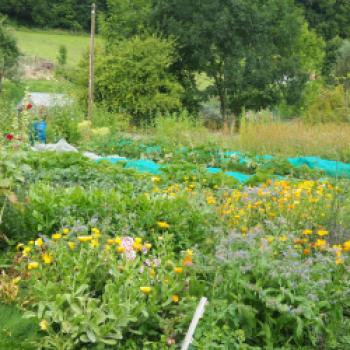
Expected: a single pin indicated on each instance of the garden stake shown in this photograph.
(198, 314)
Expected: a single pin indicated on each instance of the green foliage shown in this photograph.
(330, 19)
(15, 331)
(8, 53)
(342, 68)
(74, 15)
(134, 78)
(330, 105)
(234, 43)
(124, 19)
(62, 55)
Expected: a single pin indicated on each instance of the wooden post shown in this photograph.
(91, 62)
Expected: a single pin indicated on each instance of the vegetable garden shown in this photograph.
(100, 256)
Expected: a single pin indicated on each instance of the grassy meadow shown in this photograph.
(45, 44)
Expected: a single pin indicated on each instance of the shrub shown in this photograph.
(329, 106)
(134, 78)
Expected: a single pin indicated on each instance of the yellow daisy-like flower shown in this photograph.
(39, 242)
(189, 252)
(66, 231)
(26, 251)
(322, 233)
(155, 179)
(120, 249)
(146, 290)
(138, 240)
(94, 243)
(47, 258)
(96, 233)
(137, 246)
(84, 239)
(346, 246)
(71, 245)
(320, 243)
(283, 238)
(31, 243)
(44, 325)
(118, 240)
(307, 232)
(33, 265)
(178, 270)
(339, 261)
(270, 239)
(148, 246)
(175, 298)
(110, 241)
(163, 225)
(211, 200)
(56, 236)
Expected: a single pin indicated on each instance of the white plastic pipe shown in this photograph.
(197, 315)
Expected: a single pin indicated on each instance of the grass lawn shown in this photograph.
(45, 44)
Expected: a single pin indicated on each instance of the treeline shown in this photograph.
(65, 14)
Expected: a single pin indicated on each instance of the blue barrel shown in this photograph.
(39, 131)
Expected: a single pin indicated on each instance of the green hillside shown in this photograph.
(45, 44)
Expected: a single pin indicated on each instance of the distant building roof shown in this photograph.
(46, 100)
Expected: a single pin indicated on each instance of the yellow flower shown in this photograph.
(56, 236)
(146, 290)
(96, 233)
(175, 298)
(137, 246)
(178, 269)
(39, 242)
(94, 243)
(71, 245)
(66, 231)
(339, 261)
(84, 239)
(270, 239)
(120, 249)
(320, 243)
(110, 241)
(31, 243)
(307, 232)
(152, 272)
(47, 258)
(33, 265)
(189, 252)
(107, 248)
(148, 246)
(43, 325)
(155, 179)
(163, 225)
(322, 233)
(283, 238)
(211, 200)
(118, 241)
(138, 240)
(346, 246)
(26, 251)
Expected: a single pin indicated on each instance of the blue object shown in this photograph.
(39, 131)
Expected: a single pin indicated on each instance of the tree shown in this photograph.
(8, 53)
(331, 20)
(62, 55)
(134, 78)
(125, 19)
(253, 50)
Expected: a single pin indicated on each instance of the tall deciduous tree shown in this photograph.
(8, 53)
(253, 50)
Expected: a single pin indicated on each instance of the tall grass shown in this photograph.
(329, 140)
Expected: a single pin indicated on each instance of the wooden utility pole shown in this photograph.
(91, 65)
